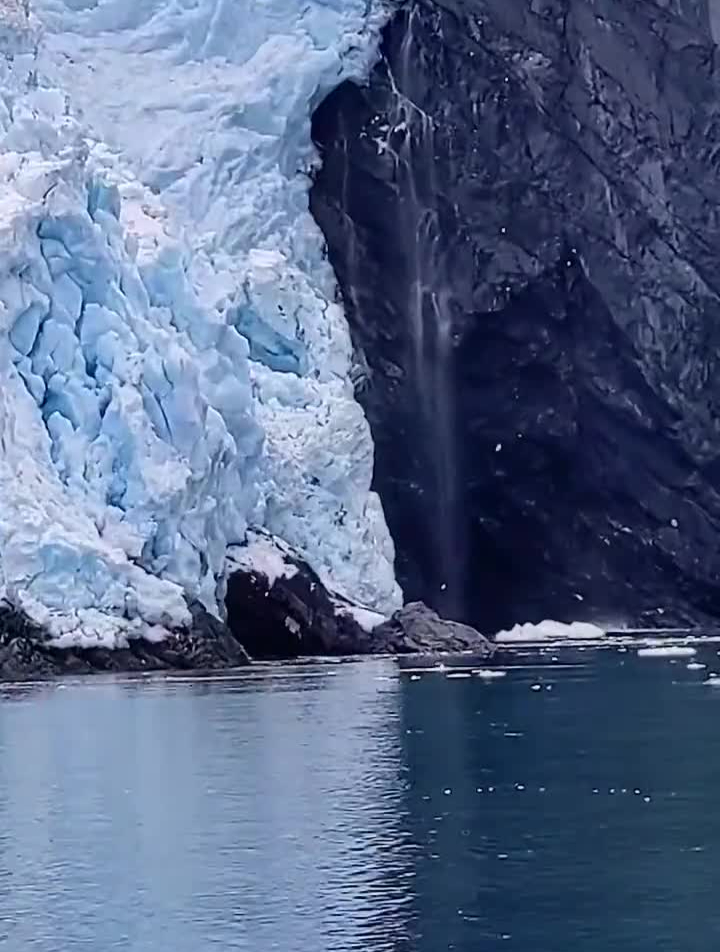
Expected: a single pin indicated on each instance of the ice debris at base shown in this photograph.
(137, 438)
(210, 103)
(667, 651)
(551, 631)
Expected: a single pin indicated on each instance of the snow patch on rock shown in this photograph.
(368, 620)
(262, 555)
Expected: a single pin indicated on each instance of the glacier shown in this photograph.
(175, 365)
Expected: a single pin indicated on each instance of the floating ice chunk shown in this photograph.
(667, 651)
(551, 631)
(489, 674)
(696, 666)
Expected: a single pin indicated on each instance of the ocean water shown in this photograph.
(569, 805)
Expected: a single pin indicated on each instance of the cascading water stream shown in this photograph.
(410, 139)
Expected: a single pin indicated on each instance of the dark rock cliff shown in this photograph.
(523, 211)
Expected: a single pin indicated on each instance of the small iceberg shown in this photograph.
(667, 651)
(489, 674)
(553, 631)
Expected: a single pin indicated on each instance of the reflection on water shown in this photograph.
(349, 807)
(215, 814)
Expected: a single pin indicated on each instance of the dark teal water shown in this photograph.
(348, 807)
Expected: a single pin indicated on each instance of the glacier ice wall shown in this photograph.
(128, 444)
(137, 438)
(210, 103)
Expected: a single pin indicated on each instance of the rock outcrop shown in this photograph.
(417, 629)
(26, 651)
(278, 607)
(521, 208)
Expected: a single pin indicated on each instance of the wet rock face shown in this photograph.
(523, 211)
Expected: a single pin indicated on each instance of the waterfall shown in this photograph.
(409, 137)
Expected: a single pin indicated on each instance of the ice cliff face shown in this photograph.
(174, 366)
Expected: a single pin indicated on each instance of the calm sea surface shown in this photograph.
(351, 807)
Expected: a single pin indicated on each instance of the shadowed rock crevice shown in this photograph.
(536, 184)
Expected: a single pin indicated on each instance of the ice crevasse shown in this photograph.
(174, 365)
